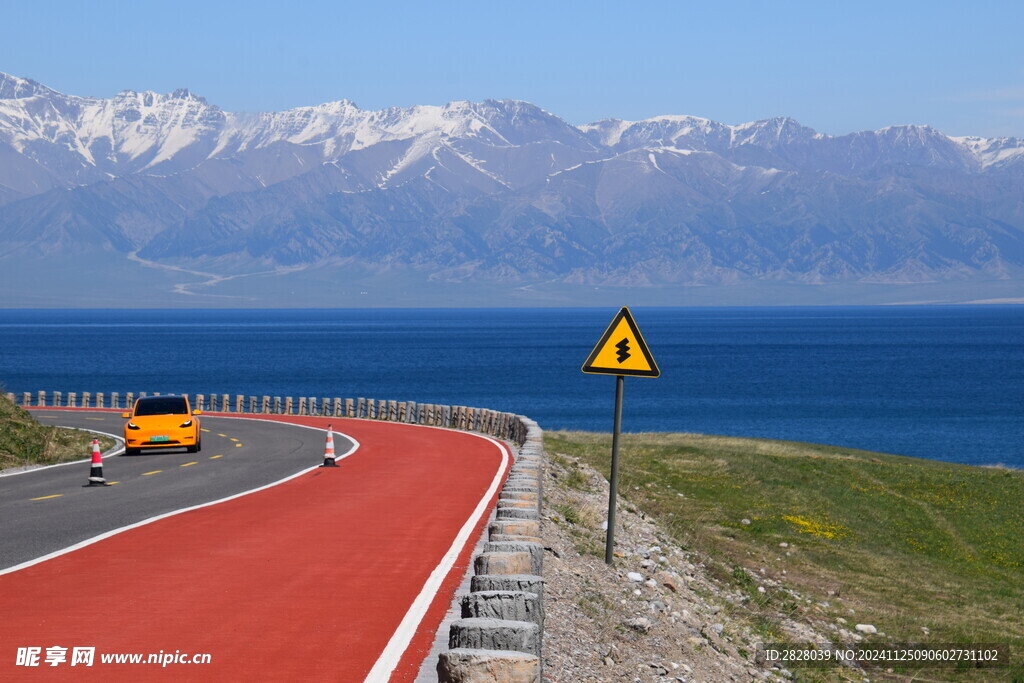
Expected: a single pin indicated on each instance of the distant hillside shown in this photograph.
(166, 190)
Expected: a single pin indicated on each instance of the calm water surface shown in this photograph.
(936, 382)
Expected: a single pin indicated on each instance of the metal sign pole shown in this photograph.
(620, 382)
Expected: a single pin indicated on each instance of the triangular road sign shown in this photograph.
(622, 351)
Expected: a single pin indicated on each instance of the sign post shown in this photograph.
(622, 351)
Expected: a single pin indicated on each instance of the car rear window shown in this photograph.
(161, 406)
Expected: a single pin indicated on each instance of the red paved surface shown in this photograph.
(305, 581)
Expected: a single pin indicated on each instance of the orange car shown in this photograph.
(162, 422)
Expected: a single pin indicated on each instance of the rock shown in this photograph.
(504, 563)
(495, 634)
(640, 624)
(745, 522)
(651, 583)
(536, 551)
(866, 628)
(461, 665)
(514, 605)
(783, 545)
(636, 577)
(516, 513)
(668, 581)
(521, 527)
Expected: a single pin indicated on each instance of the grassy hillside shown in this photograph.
(23, 441)
(925, 551)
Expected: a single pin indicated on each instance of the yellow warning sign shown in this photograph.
(622, 351)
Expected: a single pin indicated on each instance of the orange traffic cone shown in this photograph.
(96, 472)
(329, 450)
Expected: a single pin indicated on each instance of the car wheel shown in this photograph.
(199, 444)
(131, 451)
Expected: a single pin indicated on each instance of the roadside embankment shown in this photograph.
(26, 443)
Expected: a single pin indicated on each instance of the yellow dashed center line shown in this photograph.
(56, 495)
(98, 419)
(111, 483)
(214, 457)
(204, 430)
(238, 445)
(187, 464)
(234, 439)
(224, 435)
(146, 474)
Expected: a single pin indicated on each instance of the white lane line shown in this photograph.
(399, 642)
(114, 532)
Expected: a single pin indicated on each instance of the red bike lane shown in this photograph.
(306, 580)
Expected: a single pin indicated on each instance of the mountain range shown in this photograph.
(167, 200)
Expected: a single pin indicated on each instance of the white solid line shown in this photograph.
(403, 635)
(108, 534)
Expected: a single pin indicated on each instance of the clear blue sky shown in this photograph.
(835, 66)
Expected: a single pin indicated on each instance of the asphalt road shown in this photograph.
(45, 510)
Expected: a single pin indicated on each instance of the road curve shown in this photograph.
(50, 508)
(307, 580)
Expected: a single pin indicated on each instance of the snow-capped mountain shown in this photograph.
(501, 192)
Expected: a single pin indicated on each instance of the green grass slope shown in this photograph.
(925, 551)
(23, 441)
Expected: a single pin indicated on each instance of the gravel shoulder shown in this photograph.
(658, 615)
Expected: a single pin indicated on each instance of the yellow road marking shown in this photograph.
(214, 457)
(238, 445)
(204, 430)
(56, 495)
(234, 439)
(146, 474)
(187, 464)
(98, 419)
(111, 483)
(224, 435)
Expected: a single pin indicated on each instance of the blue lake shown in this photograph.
(937, 382)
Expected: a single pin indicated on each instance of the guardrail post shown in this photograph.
(265, 405)
(26, 399)
(99, 400)
(41, 398)
(72, 399)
